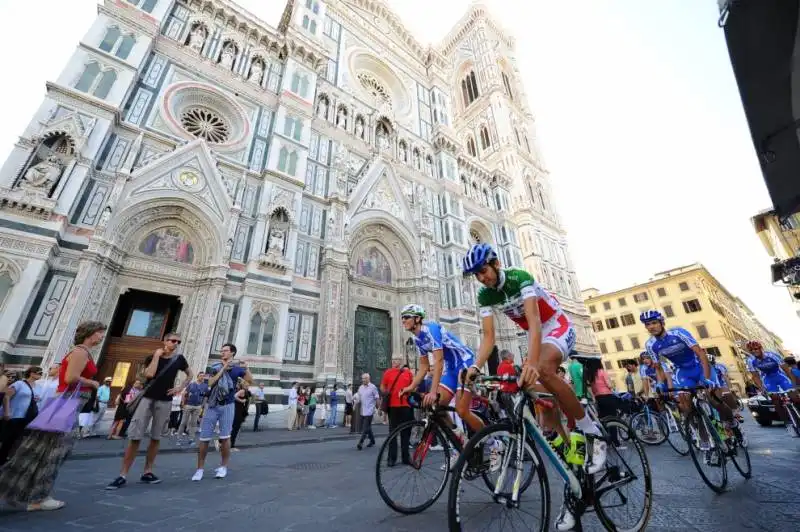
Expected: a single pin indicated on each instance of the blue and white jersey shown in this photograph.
(433, 336)
(649, 372)
(769, 365)
(675, 345)
(719, 374)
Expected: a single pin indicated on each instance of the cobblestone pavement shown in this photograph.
(332, 485)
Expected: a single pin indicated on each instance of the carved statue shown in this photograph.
(403, 153)
(429, 167)
(383, 140)
(276, 241)
(256, 70)
(416, 160)
(42, 175)
(322, 108)
(228, 55)
(360, 128)
(104, 217)
(341, 118)
(197, 38)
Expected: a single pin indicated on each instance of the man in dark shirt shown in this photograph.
(195, 395)
(220, 409)
(153, 406)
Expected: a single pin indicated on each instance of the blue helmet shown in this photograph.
(651, 315)
(476, 257)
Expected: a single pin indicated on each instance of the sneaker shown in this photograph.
(598, 456)
(117, 483)
(149, 478)
(221, 472)
(436, 447)
(198, 476)
(565, 520)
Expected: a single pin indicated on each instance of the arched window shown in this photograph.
(259, 341)
(299, 84)
(471, 149)
(145, 5)
(306, 21)
(465, 184)
(541, 197)
(287, 161)
(469, 88)
(485, 142)
(312, 28)
(125, 46)
(87, 79)
(507, 85)
(486, 201)
(110, 40)
(106, 82)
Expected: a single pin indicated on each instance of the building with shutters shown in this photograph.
(688, 297)
(287, 188)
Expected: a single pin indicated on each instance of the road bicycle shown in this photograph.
(432, 445)
(674, 419)
(792, 414)
(520, 433)
(650, 427)
(711, 443)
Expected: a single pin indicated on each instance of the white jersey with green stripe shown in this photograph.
(513, 288)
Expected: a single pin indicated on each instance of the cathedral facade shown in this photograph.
(287, 189)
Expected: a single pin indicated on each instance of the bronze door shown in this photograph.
(372, 352)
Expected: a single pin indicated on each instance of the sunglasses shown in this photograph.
(407, 317)
(174, 341)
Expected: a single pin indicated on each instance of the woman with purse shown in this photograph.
(28, 477)
(19, 409)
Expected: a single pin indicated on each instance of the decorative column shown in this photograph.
(243, 323)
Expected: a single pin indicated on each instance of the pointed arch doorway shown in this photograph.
(372, 349)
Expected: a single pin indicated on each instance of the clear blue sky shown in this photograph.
(637, 113)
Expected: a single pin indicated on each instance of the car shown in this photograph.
(763, 410)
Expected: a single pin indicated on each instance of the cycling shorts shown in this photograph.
(450, 376)
(689, 376)
(778, 382)
(559, 332)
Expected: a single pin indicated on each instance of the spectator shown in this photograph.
(220, 409)
(195, 394)
(633, 381)
(28, 477)
(86, 416)
(368, 398)
(121, 415)
(348, 406)
(291, 411)
(175, 414)
(506, 367)
(103, 397)
(19, 409)
(333, 400)
(242, 403)
(46, 387)
(395, 379)
(312, 408)
(262, 408)
(152, 407)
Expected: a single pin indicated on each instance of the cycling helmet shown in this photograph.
(645, 354)
(753, 345)
(711, 359)
(651, 315)
(476, 257)
(413, 310)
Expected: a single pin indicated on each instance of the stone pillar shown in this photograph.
(69, 186)
(200, 332)
(243, 323)
(281, 331)
(259, 244)
(21, 298)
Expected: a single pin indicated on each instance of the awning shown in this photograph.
(763, 45)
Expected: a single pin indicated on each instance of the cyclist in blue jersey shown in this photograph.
(441, 349)
(792, 363)
(678, 346)
(649, 375)
(719, 374)
(772, 375)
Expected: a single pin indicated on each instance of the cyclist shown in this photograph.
(448, 357)
(551, 336)
(771, 374)
(678, 346)
(719, 374)
(647, 370)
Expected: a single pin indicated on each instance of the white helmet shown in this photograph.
(413, 310)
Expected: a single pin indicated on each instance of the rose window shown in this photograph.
(374, 88)
(204, 123)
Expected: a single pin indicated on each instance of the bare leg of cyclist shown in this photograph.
(549, 417)
(717, 401)
(464, 410)
(549, 360)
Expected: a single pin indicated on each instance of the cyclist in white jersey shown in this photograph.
(551, 337)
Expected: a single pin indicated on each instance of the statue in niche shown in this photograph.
(341, 118)
(416, 159)
(382, 137)
(276, 241)
(360, 128)
(43, 175)
(228, 55)
(104, 217)
(429, 166)
(322, 108)
(197, 38)
(256, 70)
(403, 153)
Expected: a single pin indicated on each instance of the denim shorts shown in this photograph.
(217, 414)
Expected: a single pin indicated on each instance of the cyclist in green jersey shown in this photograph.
(551, 336)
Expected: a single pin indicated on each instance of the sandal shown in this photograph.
(46, 505)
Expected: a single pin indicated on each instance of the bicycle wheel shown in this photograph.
(714, 457)
(677, 437)
(740, 457)
(650, 429)
(423, 453)
(794, 418)
(475, 505)
(623, 492)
